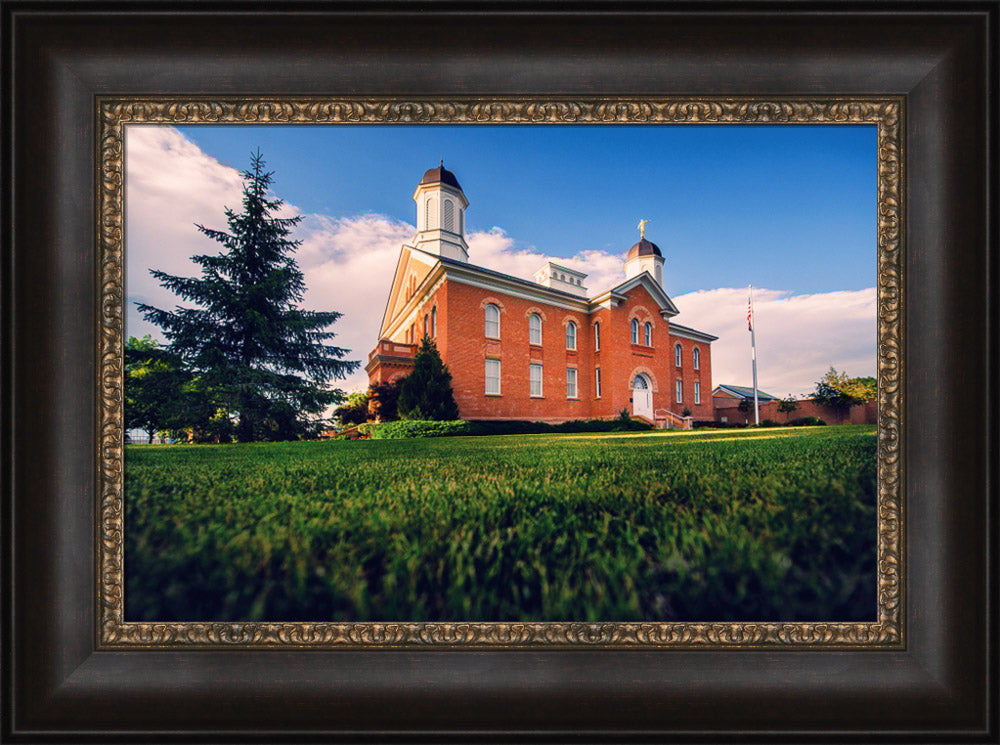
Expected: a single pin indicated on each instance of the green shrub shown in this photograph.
(770, 423)
(518, 427)
(406, 428)
(806, 421)
(367, 429)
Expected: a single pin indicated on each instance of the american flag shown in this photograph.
(749, 315)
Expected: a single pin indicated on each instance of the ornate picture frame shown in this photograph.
(71, 669)
(886, 629)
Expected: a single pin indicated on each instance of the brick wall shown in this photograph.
(466, 348)
(726, 408)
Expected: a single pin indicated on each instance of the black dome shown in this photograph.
(440, 174)
(644, 248)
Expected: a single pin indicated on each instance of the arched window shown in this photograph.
(434, 321)
(449, 215)
(597, 336)
(430, 219)
(534, 329)
(696, 359)
(635, 331)
(492, 321)
(426, 324)
(677, 355)
(571, 335)
(647, 328)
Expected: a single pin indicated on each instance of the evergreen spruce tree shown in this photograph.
(426, 392)
(248, 338)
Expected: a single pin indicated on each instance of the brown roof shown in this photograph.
(442, 175)
(644, 248)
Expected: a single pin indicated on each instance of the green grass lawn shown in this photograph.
(754, 525)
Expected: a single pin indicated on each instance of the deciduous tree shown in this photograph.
(839, 391)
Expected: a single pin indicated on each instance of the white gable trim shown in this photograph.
(667, 307)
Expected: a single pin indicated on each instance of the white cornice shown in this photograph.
(683, 332)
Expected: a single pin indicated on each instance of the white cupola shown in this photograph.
(561, 278)
(644, 256)
(441, 215)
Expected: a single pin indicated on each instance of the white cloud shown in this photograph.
(348, 264)
(798, 336)
(494, 249)
(170, 185)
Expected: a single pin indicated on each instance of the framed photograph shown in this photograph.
(120, 625)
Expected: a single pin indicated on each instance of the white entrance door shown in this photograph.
(642, 397)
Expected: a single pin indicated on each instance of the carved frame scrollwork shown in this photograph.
(887, 631)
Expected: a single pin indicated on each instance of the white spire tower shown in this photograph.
(441, 208)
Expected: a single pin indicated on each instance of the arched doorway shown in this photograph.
(642, 397)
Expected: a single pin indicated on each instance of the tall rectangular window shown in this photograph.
(680, 392)
(493, 377)
(697, 392)
(597, 382)
(535, 380)
(434, 322)
(570, 382)
(597, 337)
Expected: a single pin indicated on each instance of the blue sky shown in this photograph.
(777, 205)
(788, 208)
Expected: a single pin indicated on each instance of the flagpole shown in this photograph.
(753, 354)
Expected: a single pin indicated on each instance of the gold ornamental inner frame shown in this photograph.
(114, 113)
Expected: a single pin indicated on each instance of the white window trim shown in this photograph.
(571, 325)
(576, 382)
(597, 336)
(499, 390)
(678, 355)
(486, 323)
(635, 330)
(696, 358)
(531, 319)
(647, 334)
(679, 391)
(697, 392)
(541, 380)
(597, 382)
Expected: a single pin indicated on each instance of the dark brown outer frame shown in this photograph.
(58, 58)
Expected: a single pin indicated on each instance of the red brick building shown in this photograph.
(542, 350)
